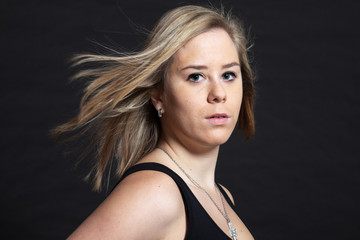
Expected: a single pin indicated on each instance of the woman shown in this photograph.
(165, 111)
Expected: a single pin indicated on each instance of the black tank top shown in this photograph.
(199, 224)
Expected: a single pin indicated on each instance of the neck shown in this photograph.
(200, 165)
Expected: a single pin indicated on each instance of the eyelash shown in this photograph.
(196, 75)
(191, 77)
(230, 73)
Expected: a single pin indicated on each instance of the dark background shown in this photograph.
(299, 177)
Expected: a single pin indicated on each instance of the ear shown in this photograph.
(157, 98)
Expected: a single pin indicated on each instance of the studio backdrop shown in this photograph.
(297, 179)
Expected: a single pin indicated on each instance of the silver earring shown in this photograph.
(160, 112)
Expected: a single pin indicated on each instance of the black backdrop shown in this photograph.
(299, 177)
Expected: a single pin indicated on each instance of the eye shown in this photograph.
(229, 76)
(195, 77)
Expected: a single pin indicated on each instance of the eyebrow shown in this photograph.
(199, 67)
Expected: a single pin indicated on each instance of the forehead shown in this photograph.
(210, 47)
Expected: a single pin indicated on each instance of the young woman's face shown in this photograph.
(203, 91)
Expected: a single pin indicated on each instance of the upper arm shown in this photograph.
(144, 205)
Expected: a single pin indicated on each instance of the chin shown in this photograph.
(218, 139)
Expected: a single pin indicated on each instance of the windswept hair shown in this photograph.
(116, 112)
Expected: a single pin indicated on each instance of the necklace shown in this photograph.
(232, 230)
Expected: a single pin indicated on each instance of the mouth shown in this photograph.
(218, 118)
(218, 115)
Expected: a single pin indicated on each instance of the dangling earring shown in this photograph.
(160, 112)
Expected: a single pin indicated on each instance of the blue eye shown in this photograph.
(195, 77)
(229, 76)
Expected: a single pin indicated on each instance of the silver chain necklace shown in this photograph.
(232, 230)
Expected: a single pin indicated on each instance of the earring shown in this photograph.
(160, 112)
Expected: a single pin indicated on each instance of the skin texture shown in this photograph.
(203, 76)
(203, 79)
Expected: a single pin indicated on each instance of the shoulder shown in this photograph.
(157, 189)
(228, 193)
(145, 203)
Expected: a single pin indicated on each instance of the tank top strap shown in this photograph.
(226, 196)
(199, 223)
(160, 168)
(183, 188)
(155, 167)
(177, 179)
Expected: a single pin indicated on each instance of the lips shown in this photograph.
(218, 118)
(219, 115)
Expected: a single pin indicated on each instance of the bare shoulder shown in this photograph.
(228, 193)
(144, 204)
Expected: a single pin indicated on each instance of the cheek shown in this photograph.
(184, 104)
(237, 97)
(175, 100)
(185, 108)
(176, 95)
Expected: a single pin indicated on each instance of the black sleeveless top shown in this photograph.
(199, 224)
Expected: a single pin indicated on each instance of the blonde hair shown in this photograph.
(116, 111)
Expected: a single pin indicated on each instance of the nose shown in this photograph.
(217, 93)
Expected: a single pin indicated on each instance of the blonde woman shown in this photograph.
(162, 114)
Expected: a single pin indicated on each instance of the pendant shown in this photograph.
(232, 231)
